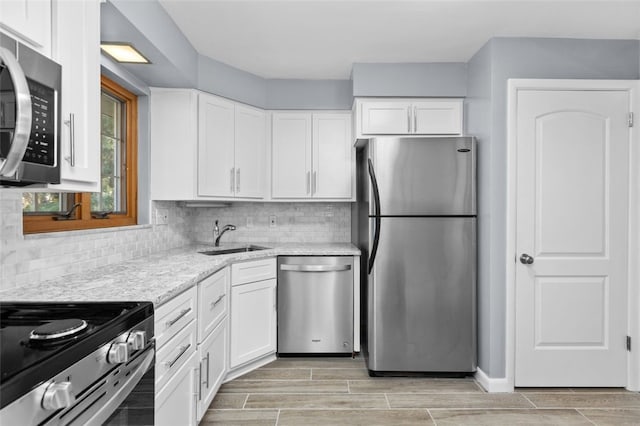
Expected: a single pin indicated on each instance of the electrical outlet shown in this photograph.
(272, 221)
(249, 222)
(162, 216)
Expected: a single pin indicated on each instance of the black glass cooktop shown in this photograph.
(38, 340)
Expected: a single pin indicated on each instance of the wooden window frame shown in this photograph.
(33, 224)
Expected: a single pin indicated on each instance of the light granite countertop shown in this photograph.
(159, 277)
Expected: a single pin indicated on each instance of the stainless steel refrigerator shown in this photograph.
(415, 223)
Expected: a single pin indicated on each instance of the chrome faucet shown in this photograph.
(217, 232)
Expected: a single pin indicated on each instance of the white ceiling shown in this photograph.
(321, 39)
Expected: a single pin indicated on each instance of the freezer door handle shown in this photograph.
(315, 268)
(376, 203)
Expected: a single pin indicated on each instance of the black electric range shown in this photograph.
(70, 363)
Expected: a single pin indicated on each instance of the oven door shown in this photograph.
(138, 406)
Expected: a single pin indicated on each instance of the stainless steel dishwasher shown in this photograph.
(315, 304)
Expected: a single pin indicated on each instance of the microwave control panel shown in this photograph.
(41, 146)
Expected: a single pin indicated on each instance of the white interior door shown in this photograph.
(572, 220)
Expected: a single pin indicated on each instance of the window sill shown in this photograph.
(81, 232)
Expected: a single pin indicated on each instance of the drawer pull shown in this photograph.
(182, 349)
(218, 300)
(176, 319)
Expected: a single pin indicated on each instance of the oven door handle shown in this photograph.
(109, 407)
(22, 128)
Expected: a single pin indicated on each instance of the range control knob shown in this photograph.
(136, 340)
(57, 396)
(118, 353)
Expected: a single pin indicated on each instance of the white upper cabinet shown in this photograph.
(174, 143)
(408, 117)
(30, 22)
(291, 155)
(231, 142)
(332, 155)
(312, 155)
(216, 173)
(204, 146)
(250, 148)
(76, 46)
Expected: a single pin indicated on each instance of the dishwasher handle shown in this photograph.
(315, 268)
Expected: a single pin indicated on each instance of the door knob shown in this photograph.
(526, 259)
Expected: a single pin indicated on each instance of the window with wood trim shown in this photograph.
(117, 202)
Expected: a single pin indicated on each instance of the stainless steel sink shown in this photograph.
(223, 250)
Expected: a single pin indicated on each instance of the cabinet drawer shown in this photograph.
(255, 270)
(174, 315)
(213, 302)
(172, 355)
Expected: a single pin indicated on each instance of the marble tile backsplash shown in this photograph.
(294, 223)
(29, 260)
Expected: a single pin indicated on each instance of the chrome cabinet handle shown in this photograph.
(237, 180)
(71, 122)
(315, 183)
(183, 350)
(22, 128)
(409, 120)
(231, 180)
(208, 355)
(415, 119)
(308, 182)
(200, 381)
(218, 300)
(314, 268)
(176, 319)
(525, 259)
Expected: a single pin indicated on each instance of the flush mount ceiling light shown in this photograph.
(124, 53)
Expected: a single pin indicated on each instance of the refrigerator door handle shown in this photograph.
(376, 203)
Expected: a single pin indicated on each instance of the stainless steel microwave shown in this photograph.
(29, 116)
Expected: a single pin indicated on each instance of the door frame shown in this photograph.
(514, 86)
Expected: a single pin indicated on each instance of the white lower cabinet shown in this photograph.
(196, 346)
(213, 366)
(253, 320)
(176, 402)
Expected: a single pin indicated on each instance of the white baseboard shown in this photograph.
(492, 385)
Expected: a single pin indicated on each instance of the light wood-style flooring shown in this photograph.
(338, 391)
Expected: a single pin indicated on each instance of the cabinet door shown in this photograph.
(332, 156)
(386, 118)
(216, 172)
(176, 402)
(212, 302)
(30, 20)
(437, 117)
(250, 158)
(76, 47)
(291, 155)
(213, 366)
(174, 143)
(253, 321)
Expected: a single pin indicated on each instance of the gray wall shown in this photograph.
(478, 118)
(224, 80)
(489, 70)
(409, 79)
(309, 94)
